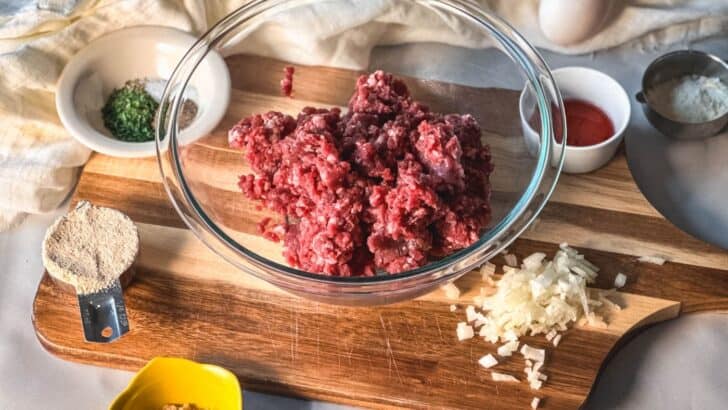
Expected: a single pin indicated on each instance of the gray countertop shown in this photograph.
(674, 365)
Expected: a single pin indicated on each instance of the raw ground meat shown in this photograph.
(287, 81)
(388, 186)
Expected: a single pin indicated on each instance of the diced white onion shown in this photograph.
(451, 291)
(511, 260)
(657, 260)
(487, 270)
(533, 261)
(595, 321)
(551, 334)
(609, 303)
(541, 296)
(531, 353)
(464, 331)
(488, 361)
(507, 349)
(470, 314)
(453, 308)
(502, 377)
(620, 280)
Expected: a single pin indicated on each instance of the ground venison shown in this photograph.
(388, 186)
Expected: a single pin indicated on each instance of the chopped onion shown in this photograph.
(487, 270)
(511, 260)
(507, 269)
(531, 353)
(470, 314)
(451, 291)
(534, 260)
(556, 341)
(533, 375)
(539, 297)
(657, 260)
(453, 308)
(620, 280)
(609, 303)
(507, 349)
(502, 377)
(595, 321)
(488, 361)
(464, 331)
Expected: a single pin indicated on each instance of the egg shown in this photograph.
(565, 22)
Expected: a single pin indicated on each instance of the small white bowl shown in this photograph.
(594, 87)
(142, 52)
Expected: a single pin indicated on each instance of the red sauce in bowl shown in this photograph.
(586, 123)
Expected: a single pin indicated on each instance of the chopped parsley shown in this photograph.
(129, 113)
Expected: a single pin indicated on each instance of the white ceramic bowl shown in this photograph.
(144, 52)
(592, 86)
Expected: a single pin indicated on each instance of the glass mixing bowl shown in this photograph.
(484, 79)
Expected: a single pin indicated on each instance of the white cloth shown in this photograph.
(39, 160)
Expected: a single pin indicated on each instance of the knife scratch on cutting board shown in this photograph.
(338, 360)
(296, 336)
(351, 351)
(439, 331)
(196, 339)
(318, 340)
(409, 328)
(294, 339)
(390, 354)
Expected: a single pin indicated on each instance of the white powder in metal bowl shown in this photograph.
(90, 248)
(691, 98)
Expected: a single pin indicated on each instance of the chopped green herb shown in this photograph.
(129, 113)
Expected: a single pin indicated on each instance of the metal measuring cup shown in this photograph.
(675, 65)
(103, 311)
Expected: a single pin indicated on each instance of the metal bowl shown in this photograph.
(674, 65)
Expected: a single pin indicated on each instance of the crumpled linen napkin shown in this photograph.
(39, 161)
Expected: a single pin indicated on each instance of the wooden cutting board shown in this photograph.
(187, 302)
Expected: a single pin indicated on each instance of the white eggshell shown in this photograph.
(566, 22)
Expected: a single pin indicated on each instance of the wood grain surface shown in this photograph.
(185, 301)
